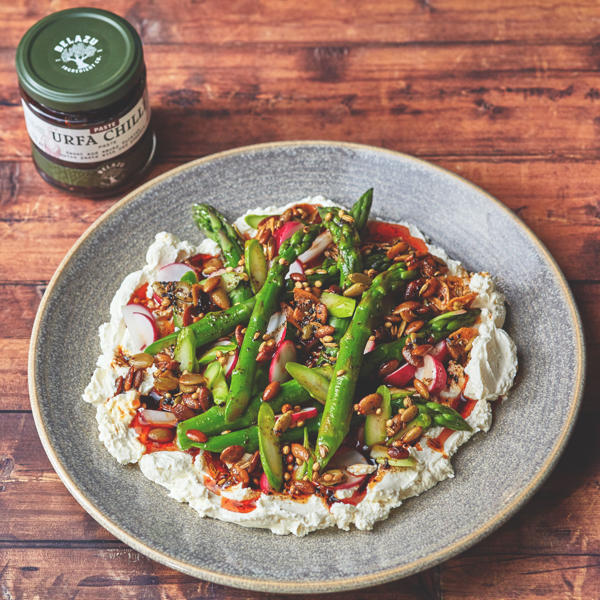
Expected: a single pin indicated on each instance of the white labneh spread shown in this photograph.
(491, 369)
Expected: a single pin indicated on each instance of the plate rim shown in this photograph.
(303, 586)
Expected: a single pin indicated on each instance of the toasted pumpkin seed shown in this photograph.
(232, 454)
(411, 435)
(421, 388)
(369, 404)
(141, 360)
(208, 285)
(332, 477)
(409, 414)
(356, 289)
(300, 452)
(220, 298)
(161, 434)
(192, 379)
(359, 278)
(166, 382)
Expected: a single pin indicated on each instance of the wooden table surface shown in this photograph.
(505, 93)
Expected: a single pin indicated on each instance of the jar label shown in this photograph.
(89, 144)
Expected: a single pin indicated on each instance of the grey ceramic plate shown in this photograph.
(495, 473)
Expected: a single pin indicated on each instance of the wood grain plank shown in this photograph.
(379, 95)
(14, 394)
(515, 576)
(18, 305)
(33, 501)
(129, 575)
(123, 573)
(442, 21)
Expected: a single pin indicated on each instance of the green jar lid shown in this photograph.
(79, 59)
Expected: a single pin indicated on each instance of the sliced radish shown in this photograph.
(140, 325)
(157, 418)
(401, 376)
(318, 247)
(229, 366)
(432, 374)
(440, 351)
(173, 271)
(285, 232)
(286, 352)
(304, 415)
(139, 308)
(277, 326)
(265, 488)
(370, 346)
(344, 458)
(295, 267)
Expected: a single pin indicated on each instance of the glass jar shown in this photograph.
(83, 89)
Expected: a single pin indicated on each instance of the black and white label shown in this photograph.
(93, 144)
(78, 54)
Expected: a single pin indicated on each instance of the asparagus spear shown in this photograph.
(344, 229)
(338, 407)
(185, 350)
(242, 378)
(211, 327)
(361, 209)
(312, 380)
(445, 416)
(214, 225)
(344, 233)
(248, 437)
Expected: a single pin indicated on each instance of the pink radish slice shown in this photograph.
(173, 271)
(286, 352)
(295, 267)
(432, 374)
(277, 326)
(343, 458)
(265, 488)
(318, 247)
(230, 364)
(304, 415)
(140, 325)
(440, 351)
(140, 308)
(157, 418)
(401, 376)
(285, 232)
(370, 346)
